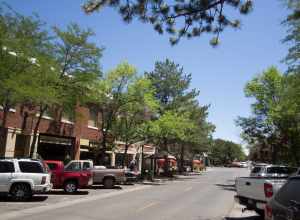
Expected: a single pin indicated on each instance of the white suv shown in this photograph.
(21, 178)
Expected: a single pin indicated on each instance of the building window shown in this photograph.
(68, 118)
(93, 118)
(13, 109)
(48, 114)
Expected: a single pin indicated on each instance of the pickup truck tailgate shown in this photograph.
(251, 187)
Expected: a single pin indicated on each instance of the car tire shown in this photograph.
(70, 187)
(21, 192)
(108, 183)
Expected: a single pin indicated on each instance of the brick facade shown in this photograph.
(77, 130)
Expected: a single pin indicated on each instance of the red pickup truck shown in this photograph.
(71, 177)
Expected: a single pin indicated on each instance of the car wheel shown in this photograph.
(21, 192)
(70, 187)
(108, 183)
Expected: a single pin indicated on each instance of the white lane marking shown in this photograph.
(40, 209)
(147, 206)
(188, 189)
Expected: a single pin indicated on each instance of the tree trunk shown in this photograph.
(182, 159)
(125, 158)
(103, 149)
(274, 154)
(3, 134)
(166, 166)
(36, 128)
(24, 122)
(3, 129)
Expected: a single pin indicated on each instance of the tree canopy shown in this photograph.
(178, 18)
(274, 125)
(223, 152)
(293, 35)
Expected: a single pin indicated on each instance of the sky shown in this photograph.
(219, 73)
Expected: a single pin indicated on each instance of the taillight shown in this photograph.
(268, 190)
(268, 211)
(44, 178)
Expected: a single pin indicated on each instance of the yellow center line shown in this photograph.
(147, 206)
(188, 189)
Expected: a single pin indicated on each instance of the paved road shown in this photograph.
(205, 197)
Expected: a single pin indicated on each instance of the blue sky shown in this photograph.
(220, 73)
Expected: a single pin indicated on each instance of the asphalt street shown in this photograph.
(204, 197)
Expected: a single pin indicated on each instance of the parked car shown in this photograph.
(132, 176)
(75, 175)
(272, 171)
(255, 191)
(256, 168)
(101, 175)
(108, 177)
(243, 164)
(21, 178)
(285, 205)
(235, 164)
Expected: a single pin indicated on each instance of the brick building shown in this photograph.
(67, 139)
(56, 140)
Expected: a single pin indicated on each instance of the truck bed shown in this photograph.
(253, 187)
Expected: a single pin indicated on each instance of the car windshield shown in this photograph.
(280, 170)
(73, 166)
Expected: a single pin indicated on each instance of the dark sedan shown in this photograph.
(285, 205)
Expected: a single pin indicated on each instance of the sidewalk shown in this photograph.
(163, 180)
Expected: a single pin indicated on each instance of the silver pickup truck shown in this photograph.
(108, 177)
(255, 191)
(102, 175)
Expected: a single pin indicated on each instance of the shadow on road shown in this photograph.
(229, 187)
(61, 192)
(102, 187)
(36, 198)
(244, 218)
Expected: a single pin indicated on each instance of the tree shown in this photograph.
(200, 138)
(266, 128)
(169, 127)
(109, 97)
(293, 37)
(288, 116)
(172, 86)
(223, 152)
(22, 41)
(178, 18)
(78, 62)
(176, 98)
(139, 102)
(40, 91)
(173, 93)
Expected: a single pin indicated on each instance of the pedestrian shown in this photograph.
(132, 165)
